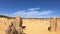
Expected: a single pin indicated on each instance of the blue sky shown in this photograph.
(30, 8)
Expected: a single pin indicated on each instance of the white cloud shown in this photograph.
(32, 13)
(31, 9)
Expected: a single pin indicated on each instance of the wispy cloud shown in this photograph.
(32, 13)
(32, 9)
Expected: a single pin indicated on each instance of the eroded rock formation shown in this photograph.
(15, 27)
(53, 23)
